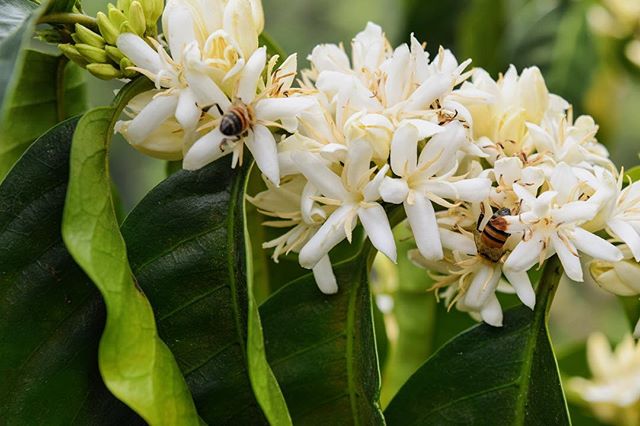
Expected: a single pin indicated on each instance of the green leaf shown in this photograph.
(186, 247)
(17, 22)
(487, 375)
(633, 174)
(49, 90)
(573, 61)
(51, 315)
(135, 364)
(322, 348)
(489, 18)
(273, 48)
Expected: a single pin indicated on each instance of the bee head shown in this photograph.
(503, 212)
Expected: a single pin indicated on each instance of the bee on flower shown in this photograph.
(208, 45)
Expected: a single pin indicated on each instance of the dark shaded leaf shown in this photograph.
(17, 22)
(49, 90)
(135, 364)
(322, 348)
(51, 316)
(487, 375)
(186, 247)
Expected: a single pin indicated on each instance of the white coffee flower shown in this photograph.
(428, 177)
(291, 205)
(355, 195)
(512, 101)
(551, 223)
(624, 220)
(257, 111)
(613, 393)
(208, 42)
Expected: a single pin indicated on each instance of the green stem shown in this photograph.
(548, 285)
(69, 18)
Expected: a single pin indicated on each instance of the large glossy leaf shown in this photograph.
(487, 375)
(186, 247)
(49, 90)
(51, 316)
(17, 22)
(135, 364)
(322, 348)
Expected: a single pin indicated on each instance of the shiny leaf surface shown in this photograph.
(51, 316)
(488, 375)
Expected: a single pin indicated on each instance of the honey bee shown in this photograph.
(491, 239)
(237, 121)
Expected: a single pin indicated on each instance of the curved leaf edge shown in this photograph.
(176, 403)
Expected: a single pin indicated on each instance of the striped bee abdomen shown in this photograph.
(236, 121)
(490, 242)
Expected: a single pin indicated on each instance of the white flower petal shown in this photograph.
(262, 145)
(422, 219)
(239, 22)
(187, 112)
(404, 150)
(525, 255)
(491, 312)
(205, 150)
(522, 284)
(206, 91)
(397, 75)
(276, 109)
(324, 276)
(625, 232)
(140, 53)
(152, 116)
(456, 241)
(483, 284)
(250, 75)
(358, 162)
(570, 262)
(394, 190)
(330, 234)
(575, 212)
(595, 246)
(431, 89)
(376, 225)
(314, 169)
(181, 27)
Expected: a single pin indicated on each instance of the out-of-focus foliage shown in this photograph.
(35, 96)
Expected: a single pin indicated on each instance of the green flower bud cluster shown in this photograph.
(97, 51)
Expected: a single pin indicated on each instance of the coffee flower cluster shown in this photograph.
(494, 176)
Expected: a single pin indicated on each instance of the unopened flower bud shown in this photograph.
(107, 29)
(85, 35)
(92, 54)
(126, 28)
(104, 71)
(72, 53)
(125, 64)
(136, 18)
(620, 278)
(116, 16)
(123, 5)
(152, 12)
(114, 53)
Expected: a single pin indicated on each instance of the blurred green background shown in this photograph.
(587, 69)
